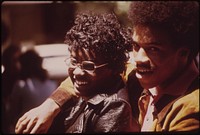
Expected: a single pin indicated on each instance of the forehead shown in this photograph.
(150, 34)
(83, 54)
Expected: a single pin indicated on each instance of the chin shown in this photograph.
(81, 92)
(147, 85)
(77, 92)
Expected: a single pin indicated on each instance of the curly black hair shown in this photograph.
(103, 34)
(179, 18)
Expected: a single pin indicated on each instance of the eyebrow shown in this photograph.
(151, 43)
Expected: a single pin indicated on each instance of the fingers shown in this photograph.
(36, 128)
(21, 125)
(19, 121)
(29, 126)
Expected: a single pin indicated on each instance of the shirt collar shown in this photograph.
(97, 99)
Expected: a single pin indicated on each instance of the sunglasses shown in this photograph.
(84, 65)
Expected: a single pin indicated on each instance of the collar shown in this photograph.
(97, 99)
(102, 96)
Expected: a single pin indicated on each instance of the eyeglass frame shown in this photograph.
(80, 65)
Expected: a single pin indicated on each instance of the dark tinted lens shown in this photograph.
(73, 62)
(87, 65)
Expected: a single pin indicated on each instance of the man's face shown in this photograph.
(155, 58)
(87, 82)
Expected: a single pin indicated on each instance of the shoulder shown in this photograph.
(189, 101)
(184, 114)
(185, 107)
(120, 96)
(117, 101)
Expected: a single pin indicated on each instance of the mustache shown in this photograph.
(145, 65)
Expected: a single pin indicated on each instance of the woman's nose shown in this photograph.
(78, 71)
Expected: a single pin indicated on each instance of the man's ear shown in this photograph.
(184, 54)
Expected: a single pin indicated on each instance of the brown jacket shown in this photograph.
(182, 115)
(177, 109)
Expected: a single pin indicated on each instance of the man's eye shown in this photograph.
(154, 49)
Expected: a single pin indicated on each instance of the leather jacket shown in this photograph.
(105, 112)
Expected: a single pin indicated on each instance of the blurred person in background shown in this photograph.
(9, 77)
(32, 88)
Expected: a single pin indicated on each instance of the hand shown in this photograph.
(39, 119)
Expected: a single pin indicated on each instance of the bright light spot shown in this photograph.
(56, 66)
(123, 6)
(52, 50)
(53, 58)
(2, 69)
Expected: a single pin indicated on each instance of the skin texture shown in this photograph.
(87, 83)
(153, 53)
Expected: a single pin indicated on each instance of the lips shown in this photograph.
(143, 72)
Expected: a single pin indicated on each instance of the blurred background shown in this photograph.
(43, 24)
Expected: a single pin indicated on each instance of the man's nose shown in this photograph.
(140, 56)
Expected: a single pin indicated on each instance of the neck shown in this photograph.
(181, 82)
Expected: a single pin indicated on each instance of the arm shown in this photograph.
(63, 93)
(39, 119)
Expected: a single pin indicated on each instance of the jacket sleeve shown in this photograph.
(116, 117)
(64, 92)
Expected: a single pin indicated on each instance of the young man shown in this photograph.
(98, 49)
(166, 40)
